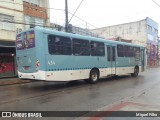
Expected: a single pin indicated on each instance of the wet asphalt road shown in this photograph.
(79, 96)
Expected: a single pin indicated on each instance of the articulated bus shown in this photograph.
(44, 54)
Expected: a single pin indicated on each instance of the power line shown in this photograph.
(156, 3)
(82, 20)
(75, 11)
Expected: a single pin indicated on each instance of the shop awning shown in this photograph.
(7, 43)
(7, 47)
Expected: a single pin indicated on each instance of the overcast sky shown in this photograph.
(101, 13)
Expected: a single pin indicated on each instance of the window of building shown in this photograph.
(6, 22)
(34, 2)
(33, 21)
(81, 47)
(155, 30)
(59, 45)
(97, 48)
(149, 27)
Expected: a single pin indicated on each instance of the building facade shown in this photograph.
(16, 16)
(36, 12)
(143, 32)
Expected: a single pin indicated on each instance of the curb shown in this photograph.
(11, 81)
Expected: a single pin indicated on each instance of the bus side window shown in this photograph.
(97, 48)
(125, 51)
(58, 45)
(137, 53)
(81, 47)
(136, 50)
(66, 44)
(130, 51)
(120, 52)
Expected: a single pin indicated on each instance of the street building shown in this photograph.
(143, 32)
(16, 16)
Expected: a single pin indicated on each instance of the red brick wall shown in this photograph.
(35, 11)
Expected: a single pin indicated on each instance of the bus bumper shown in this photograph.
(40, 75)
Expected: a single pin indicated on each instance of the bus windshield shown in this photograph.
(25, 40)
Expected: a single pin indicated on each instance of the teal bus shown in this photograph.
(44, 54)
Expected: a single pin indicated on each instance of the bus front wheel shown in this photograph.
(93, 77)
(136, 72)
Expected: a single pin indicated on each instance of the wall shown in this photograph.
(135, 31)
(152, 32)
(46, 5)
(37, 14)
(15, 9)
(12, 10)
(152, 41)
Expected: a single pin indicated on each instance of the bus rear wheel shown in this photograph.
(136, 72)
(94, 76)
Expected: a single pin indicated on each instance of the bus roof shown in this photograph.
(60, 33)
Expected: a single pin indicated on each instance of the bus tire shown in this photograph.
(93, 77)
(136, 72)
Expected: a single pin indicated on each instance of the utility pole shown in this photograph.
(66, 13)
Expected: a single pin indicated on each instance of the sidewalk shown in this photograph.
(12, 80)
(145, 105)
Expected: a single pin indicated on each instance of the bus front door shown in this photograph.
(142, 60)
(111, 58)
